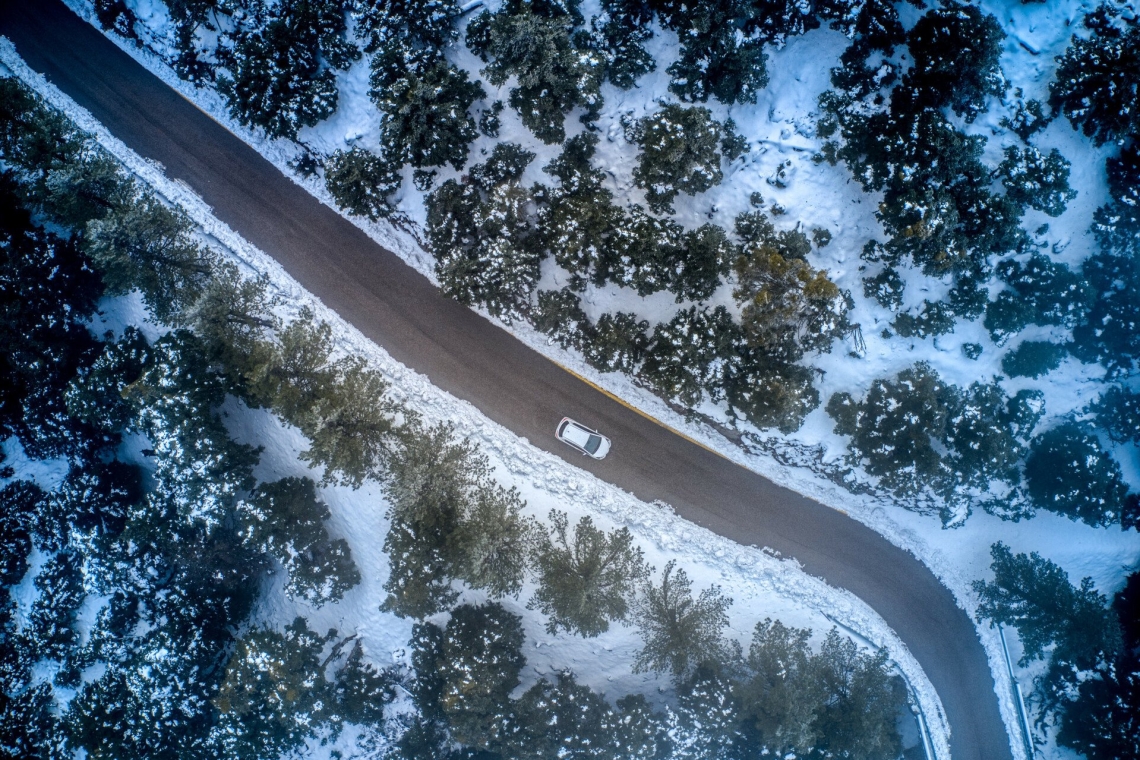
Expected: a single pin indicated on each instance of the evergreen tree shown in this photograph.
(1033, 358)
(1035, 596)
(147, 246)
(299, 374)
(482, 235)
(680, 632)
(678, 154)
(936, 318)
(618, 343)
(1096, 84)
(96, 395)
(562, 719)
(360, 691)
(553, 72)
(586, 582)
(274, 694)
(895, 430)
(361, 182)
(619, 33)
(425, 102)
(788, 307)
(640, 733)
(90, 505)
(51, 627)
(1040, 292)
(351, 427)
(690, 355)
(783, 692)
(956, 50)
(475, 663)
(1108, 334)
(1118, 412)
(30, 728)
(234, 319)
(1068, 472)
(281, 68)
(771, 393)
(1033, 179)
(88, 186)
(20, 502)
(559, 315)
(383, 23)
(706, 722)
(285, 520)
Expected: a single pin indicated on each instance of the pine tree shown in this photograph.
(286, 520)
(678, 154)
(956, 50)
(1068, 472)
(639, 732)
(275, 78)
(1108, 334)
(618, 343)
(619, 33)
(30, 728)
(425, 102)
(771, 393)
(1118, 412)
(361, 182)
(1040, 292)
(554, 74)
(563, 719)
(1035, 596)
(1096, 84)
(690, 355)
(147, 246)
(234, 318)
(586, 582)
(360, 691)
(1033, 179)
(88, 186)
(351, 427)
(52, 628)
(476, 662)
(706, 722)
(300, 373)
(861, 717)
(96, 394)
(1033, 358)
(274, 694)
(680, 632)
(559, 315)
(20, 502)
(783, 692)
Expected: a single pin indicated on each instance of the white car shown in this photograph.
(589, 442)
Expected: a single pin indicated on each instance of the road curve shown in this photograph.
(471, 358)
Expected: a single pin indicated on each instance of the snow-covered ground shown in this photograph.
(761, 585)
(780, 128)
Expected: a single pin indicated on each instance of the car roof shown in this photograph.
(576, 434)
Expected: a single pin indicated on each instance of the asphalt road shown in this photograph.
(469, 357)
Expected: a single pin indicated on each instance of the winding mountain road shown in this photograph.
(473, 359)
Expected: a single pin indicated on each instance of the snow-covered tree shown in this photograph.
(1118, 412)
(691, 354)
(706, 721)
(1041, 291)
(1070, 473)
(678, 153)
(618, 343)
(680, 632)
(554, 73)
(1033, 358)
(361, 182)
(782, 692)
(1097, 79)
(589, 580)
(563, 719)
(1037, 180)
(285, 520)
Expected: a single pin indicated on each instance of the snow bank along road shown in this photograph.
(468, 356)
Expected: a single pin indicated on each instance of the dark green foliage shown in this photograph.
(95, 394)
(148, 246)
(1040, 292)
(706, 722)
(1117, 224)
(562, 719)
(734, 145)
(644, 252)
(88, 186)
(1110, 333)
(449, 520)
(360, 182)
(361, 691)
(276, 79)
(559, 315)
(490, 120)
(618, 343)
(1027, 119)
(678, 154)
(20, 502)
(234, 320)
(771, 393)
(689, 354)
(51, 628)
(482, 237)
(715, 60)
(298, 374)
(1034, 595)
(788, 307)
(1118, 412)
(470, 669)
(48, 289)
(285, 520)
(895, 428)
(639, 733)
(554, 75)
(1097, 79)
(886, 288)
(350, 429)
(381, 24)
(956, 50)
(972, 350)
(1033, 179)
(782, 691)
(1033, 358)
(587, 581)
(91, 504)
(935, 318)
(619, 33)
(1068, 472)
(274, 693)
(34, 139)
(680, 633)
(425, 101)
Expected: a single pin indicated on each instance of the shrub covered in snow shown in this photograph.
(678, 153)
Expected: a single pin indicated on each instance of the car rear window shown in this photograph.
(593, 443)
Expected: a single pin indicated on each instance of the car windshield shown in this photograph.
(593, 443)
